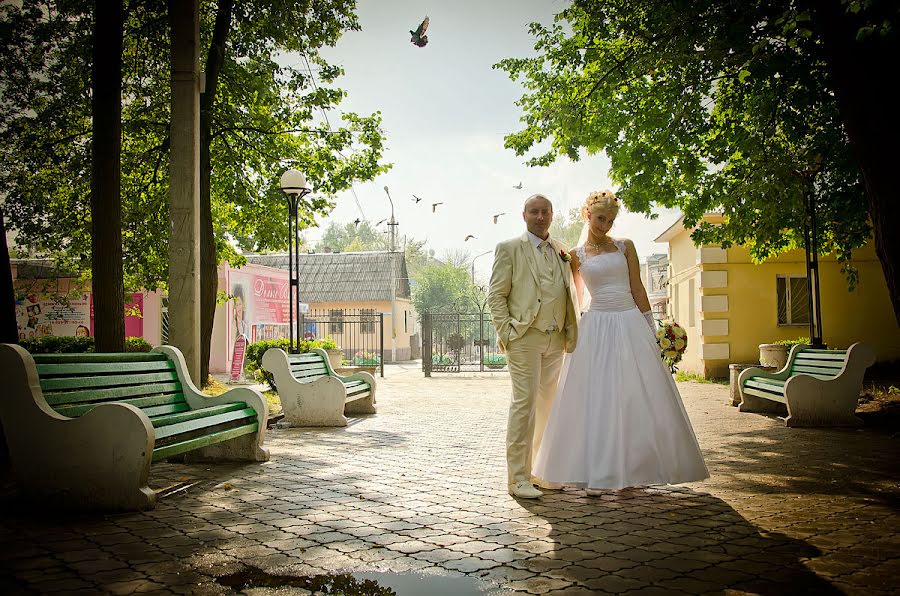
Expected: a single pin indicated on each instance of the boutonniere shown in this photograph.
(565, 256)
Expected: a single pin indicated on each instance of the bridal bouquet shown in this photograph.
(672, 340)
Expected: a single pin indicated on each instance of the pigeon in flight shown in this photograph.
(418, 36)
(518, 186)
(416, 199)
(356, 221)
(469, 237)
(498, 215)
(434, 207)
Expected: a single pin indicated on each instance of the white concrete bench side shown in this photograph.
(100, 460)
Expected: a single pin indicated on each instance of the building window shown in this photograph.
(336, 322)
(793, 300)
(367, 320)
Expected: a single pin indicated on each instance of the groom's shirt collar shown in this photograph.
(536, 240)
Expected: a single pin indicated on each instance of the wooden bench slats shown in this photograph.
(768, 381)
(829, 357)
(106, 381)
(833, 364)
(303, 358)
(99, 357)
(759, 384)
(113, 394)
(765, 394)
(309, 366)
(167, 451)
(203, 423)
(824, 372)
(842, 353)
(184, 416)
(95, 368)
(169, 404)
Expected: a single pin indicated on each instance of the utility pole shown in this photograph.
(393, 225)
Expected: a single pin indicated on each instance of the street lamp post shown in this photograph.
(473, 263)
(293, 185)
(393, 226)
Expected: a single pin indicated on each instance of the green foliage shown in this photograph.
(566, 227)
(52, 344)
(265, 118)
(64, 344)
(710, 106)
(442, 359)
(137, 344)
(440, 285)
(685, 376)
(790, 343)
(366, 359)
(494, 360)
(254, 353)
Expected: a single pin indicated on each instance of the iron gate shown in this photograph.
(460, 340)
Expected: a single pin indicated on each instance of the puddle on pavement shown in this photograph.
(375, 583)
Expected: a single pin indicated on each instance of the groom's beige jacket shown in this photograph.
(514, 295)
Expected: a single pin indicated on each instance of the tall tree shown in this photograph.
(106, 204)
(263, 117)
(734, 106)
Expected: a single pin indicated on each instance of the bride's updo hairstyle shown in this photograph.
(600, 200)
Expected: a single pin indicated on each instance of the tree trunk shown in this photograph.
(9, 330)
(860, 71)
(209, 262)
(106, 205)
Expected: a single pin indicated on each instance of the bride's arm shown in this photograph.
(575, 264)
(634, 277)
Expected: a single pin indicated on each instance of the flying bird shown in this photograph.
(418, 36)
(356, 221)
(416, 199)
(518, 186)
(469, 237)
(498, 215)
(434, 207)
(381, 222)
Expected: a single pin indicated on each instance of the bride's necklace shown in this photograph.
(598, 247)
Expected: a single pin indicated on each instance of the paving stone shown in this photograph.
(405, 491)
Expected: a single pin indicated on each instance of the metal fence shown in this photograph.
(460, 341)
(358, 332)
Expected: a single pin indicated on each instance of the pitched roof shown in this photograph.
(344, 276)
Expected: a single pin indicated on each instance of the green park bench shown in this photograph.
(818, 387)
(83, 429)
(312, 394)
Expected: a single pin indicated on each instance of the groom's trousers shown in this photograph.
(535, 360)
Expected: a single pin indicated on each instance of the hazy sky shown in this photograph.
(445, 112)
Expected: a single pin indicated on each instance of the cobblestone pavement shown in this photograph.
(420, 487)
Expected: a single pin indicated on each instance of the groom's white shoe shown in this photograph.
(524, 490)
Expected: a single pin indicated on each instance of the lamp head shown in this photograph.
(293, 182)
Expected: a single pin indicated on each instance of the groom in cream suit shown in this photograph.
(532, 308)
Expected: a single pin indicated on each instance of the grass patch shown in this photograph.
(214, 387)
(682, 376)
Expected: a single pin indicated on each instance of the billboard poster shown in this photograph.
(38, 315)
(259, 305)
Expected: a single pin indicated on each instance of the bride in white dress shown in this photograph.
(617, 420)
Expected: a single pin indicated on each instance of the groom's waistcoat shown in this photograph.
(552, 312)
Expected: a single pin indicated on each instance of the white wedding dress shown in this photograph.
(617, 420)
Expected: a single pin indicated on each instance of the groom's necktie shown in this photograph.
(547, 252)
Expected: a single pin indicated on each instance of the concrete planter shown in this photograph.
(336, 358)
(735, 370)
(773, 355)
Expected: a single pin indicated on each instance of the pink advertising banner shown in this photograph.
(40, 314)
(258, 302)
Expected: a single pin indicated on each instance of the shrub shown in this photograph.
(441, 359)
(366, 359)
(254, 354)
(790, 343)
(494, 360)
(53, 344)
(137, 344)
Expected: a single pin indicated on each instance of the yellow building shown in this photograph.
(729, 305)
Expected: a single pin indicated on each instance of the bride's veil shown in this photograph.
(584, 301)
